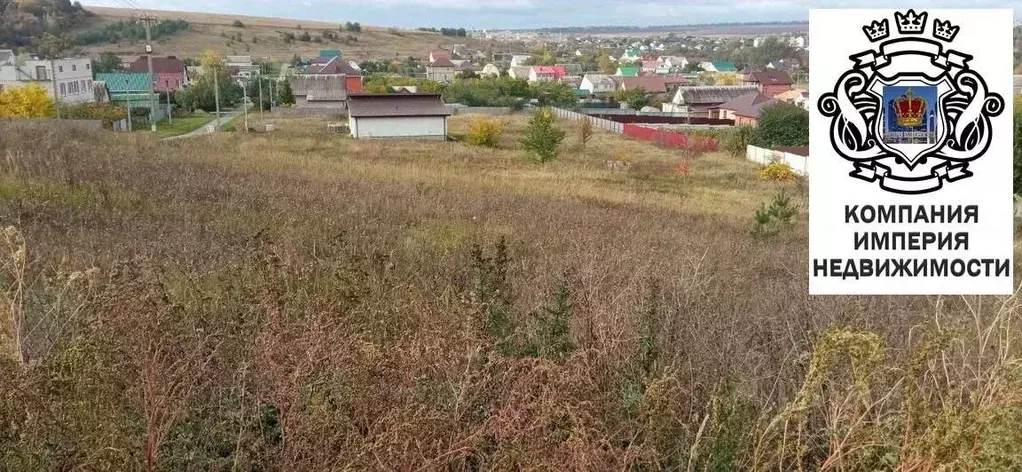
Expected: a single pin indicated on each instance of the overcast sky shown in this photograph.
(528, 13)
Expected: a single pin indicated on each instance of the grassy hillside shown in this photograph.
(261, 38)
(303, 301)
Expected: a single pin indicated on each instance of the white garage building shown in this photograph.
(399, 115)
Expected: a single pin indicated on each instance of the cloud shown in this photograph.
(534, 13)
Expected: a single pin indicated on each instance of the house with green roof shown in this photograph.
(719, 66)
(130, 90)
(124, 87)
(627, 71)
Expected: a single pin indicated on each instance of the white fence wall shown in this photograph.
(798, 164)
(597, 122)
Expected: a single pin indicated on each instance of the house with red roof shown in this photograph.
(546, 73)
(437, 54)
(169, 73)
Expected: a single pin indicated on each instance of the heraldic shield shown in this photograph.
(911, 114)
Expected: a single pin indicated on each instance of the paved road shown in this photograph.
(225, 116)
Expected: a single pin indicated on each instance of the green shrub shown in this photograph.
(783, 124)
(770, 220)
(542, 136)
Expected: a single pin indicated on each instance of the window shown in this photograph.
(60, 68)
(63, 90)
(74, 67)
(87, 66)
(40, 73)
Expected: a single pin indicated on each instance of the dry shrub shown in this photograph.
(485, 131)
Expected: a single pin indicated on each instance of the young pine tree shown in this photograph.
(542, 136)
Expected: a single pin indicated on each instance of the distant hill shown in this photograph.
(267, 38)
(706, 29)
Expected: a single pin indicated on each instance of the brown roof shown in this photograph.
(442, 62)
(770, 77)
(438, 53)
(750, 104)
(394, 105)
(670, 80)
(713, 94)
(161, 65)
(649, 83)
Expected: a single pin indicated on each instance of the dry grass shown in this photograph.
(376, 43)
(303, 301)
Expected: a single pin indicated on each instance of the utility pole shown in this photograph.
(130, 128)
(53, 78)
(260, 95)
(273, 95)
(244, 102)
(216, 96)
(149, 57)
(170, 112)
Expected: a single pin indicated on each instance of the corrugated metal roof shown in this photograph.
(649, 83)
(711, 94)
(395, 105)
(120, 82)
(628, 71)
(750, 104)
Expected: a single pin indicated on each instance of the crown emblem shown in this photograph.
(909, 110)
(943, 30)
(910, 22)
(877, 31)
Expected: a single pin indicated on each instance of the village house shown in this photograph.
(718, 66)
(673, 63)
(70, 78)
(437, 54)
(326, 83)
(403, 115)
(627, 71)
(546, 73)
(169, 73)
(798, 97)
(241, 66)
(650, 67)
(128, 89)
(519, 72)
(698, 100)
(651, 84)
(518, 60)
(598, 84)
(770, 82)
(571, 71)
(744, 110)
(440, 70)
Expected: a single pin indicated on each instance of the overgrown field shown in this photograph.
(302, 301)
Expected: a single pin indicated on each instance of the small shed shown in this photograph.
(403, 115)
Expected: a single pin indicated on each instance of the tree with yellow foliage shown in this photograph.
(728, 79)
(32, 101)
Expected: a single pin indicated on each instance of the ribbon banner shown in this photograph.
(935, 181)
(942, 60)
